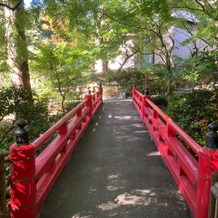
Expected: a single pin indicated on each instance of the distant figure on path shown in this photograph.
(88, 91)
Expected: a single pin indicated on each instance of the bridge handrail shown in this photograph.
(37, 173)
(190, 164)
(163, 131)
(45, 136)
(190, 141)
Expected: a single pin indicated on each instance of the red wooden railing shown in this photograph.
(190, 164)
(32, 176)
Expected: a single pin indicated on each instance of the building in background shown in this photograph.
(177, 38)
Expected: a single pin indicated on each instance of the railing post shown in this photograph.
(101, 91)
(133, 93)
(145, 96)
(78, 114)
(89, 103)
(208, 163)
(23, 185)
(146, 92)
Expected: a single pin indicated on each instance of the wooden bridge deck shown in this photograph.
(116, 171)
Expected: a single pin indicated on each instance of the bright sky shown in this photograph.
(27, 3)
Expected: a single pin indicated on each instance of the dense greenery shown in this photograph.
(39, 114)
(194, 111)
(16, 102)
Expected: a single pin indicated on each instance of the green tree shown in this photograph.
(16, 44)
(201, 68)
(205, 13)
(149, 23)
(4, 78)
(102, 31)
(60, 66)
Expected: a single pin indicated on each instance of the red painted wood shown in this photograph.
(23, 189)
(192, 176)
(33, 179)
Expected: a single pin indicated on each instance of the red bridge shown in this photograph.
(127, 142)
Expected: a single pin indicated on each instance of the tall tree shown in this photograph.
(15, 21)
(105, 34)
(152, 21)
(4, 78)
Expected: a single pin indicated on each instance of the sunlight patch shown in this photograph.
(136, 197)
(92, 189)
(114, 176)
(108, 206)
(142, 131)
(137, 125)
(155, 153)
(131, 199)
(79, 215)
(123, 117)
(114, 185)
(112, 188)
(144, 192)
(109, 115)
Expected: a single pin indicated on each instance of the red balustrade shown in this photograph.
(33, 176)
(190, 165)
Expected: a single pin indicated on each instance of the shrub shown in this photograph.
(160, 101)
(16, 103)
(194, 111)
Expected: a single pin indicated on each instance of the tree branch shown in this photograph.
(11, 8)
(199, 3)
(126, 59)
(209, 5)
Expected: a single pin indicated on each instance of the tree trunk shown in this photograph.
(104, 66)
(170, 74)
(17, 46)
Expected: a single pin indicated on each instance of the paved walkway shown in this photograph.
(115, 171)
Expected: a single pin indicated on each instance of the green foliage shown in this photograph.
(194, 111)
(160, 101)
(206, 16)
(131, 76)
(15, 104)
(201, 69)
(3, 53)
(126, 79)
(6, 102)
(156, 78)
(60, 66)
(35, 114)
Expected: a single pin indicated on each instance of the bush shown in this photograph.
(16, 103)
(194, 112)
(160, 101)
(126, 79)
(157, 79)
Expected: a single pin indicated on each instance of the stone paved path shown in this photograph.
(116, 171)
